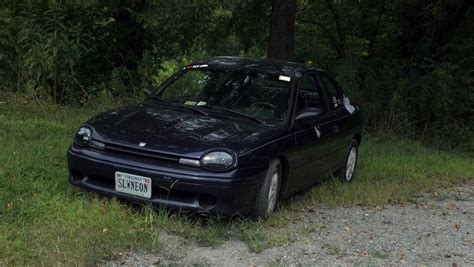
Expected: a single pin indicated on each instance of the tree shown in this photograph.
(282, 30)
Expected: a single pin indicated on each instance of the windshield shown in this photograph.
(261, 96)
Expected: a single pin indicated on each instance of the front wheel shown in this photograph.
(346, 172)
(267, 196)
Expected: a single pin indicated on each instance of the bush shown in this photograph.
(407, 62)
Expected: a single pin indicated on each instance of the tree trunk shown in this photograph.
(341, 37)
(130, 33)
(282, 30)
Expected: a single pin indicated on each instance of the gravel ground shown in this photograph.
(433, 231)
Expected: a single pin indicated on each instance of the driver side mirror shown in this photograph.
(308, 115)
(149, 90)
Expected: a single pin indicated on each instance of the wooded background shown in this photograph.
(410, 62)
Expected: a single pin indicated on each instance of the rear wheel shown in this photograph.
(267, 196)
(347, 171)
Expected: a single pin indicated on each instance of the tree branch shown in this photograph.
(332, 38)
(340, 34)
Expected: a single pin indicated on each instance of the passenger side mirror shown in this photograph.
(308, 115)
(149, 89)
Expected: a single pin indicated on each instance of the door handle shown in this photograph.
(335, 128)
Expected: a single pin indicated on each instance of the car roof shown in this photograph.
(265, 65)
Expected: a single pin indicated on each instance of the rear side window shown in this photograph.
(309, 94)
(334, 92)
(308, 84)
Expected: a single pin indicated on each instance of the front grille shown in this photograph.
(143, 153)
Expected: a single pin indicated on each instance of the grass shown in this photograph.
(44, 220)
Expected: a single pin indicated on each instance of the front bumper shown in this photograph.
(177, 186)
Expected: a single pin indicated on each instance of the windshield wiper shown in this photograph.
(157, 98)
(233, 112)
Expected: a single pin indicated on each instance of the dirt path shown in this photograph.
(433, 231)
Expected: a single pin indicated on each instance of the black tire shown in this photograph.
(342, 172)
(261, 208)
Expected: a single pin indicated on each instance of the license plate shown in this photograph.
(133, 184)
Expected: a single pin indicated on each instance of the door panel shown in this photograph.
(345, 134)
(340, 116)
(314, 141)
(314, 145)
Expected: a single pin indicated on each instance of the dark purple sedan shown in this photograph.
(225, 134)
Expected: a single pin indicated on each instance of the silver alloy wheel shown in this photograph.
(272, 193)
(351, 163)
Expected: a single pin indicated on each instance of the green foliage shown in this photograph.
(69, 51)
(409, 63)
(49, 52)
(51, 46)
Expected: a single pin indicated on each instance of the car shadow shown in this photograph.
(207, 218)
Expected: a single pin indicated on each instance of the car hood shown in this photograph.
(177, 131)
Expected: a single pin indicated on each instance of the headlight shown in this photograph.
(217, 160)
(83, 136)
